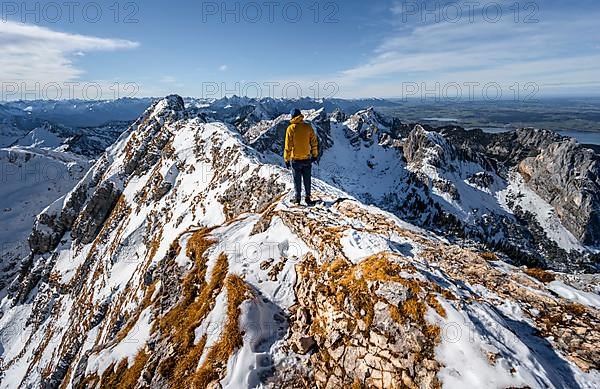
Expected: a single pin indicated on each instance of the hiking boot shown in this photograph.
(309, 201)
(296, 201)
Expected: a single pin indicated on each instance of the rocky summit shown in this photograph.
(436, 257)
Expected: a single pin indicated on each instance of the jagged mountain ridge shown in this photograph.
(465, 184)
(200, 262)
(44, 156)
(245, 112)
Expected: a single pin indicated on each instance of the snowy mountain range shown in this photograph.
(530, 194)
(46, 147)
(437, 257)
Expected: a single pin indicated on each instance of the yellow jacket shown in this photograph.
(300, 141)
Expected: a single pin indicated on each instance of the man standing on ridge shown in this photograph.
(301, 150)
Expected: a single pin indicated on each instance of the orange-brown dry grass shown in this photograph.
(124, 377)
(575, 309)
(540, 274)
(176, 319)
(490, 257)
(348, 281)
(434, 303)
(380, 268)
(198, 299)
(155, 244)
(231, 339)
(89, 381)
(351, 289)
(344, 284)
(356, 384)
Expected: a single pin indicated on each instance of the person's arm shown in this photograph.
(289, 144)
(314, 143)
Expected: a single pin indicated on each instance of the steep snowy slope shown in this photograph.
(495, 206)
(38, 168)
(179, 262)
(31, 179)
(14, 123)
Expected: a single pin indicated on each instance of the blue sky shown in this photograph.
(342, 48)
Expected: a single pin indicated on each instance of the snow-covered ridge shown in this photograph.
(178, 261)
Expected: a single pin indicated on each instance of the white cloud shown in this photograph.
(223, 68)
(506, 52)
(168, 80)
(444, 48)
(33, 54)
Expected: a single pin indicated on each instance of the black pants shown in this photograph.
(301, 171)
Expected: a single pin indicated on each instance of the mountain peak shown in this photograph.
(168, 105)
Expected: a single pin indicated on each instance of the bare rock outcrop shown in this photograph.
(91, 218)
(356, 317)
(568, 177)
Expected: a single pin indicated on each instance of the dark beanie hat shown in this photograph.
(295, 112)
